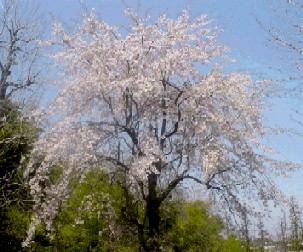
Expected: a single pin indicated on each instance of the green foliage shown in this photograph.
(91, 218)
(295, 244)
(230, 245)
(18, 220)
(197, 230)
(14, 223)
(16, 136)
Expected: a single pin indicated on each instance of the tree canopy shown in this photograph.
(156, 105)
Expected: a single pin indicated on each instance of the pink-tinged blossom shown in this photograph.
(142, 102)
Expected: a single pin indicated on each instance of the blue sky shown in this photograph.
(247, 40)
(236, 17)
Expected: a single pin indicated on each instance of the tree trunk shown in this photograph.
(152, 215)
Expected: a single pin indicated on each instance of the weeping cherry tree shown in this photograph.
(153, 101)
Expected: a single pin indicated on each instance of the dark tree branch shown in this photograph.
(115, 162)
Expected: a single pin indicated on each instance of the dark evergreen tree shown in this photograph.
(16, 136)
